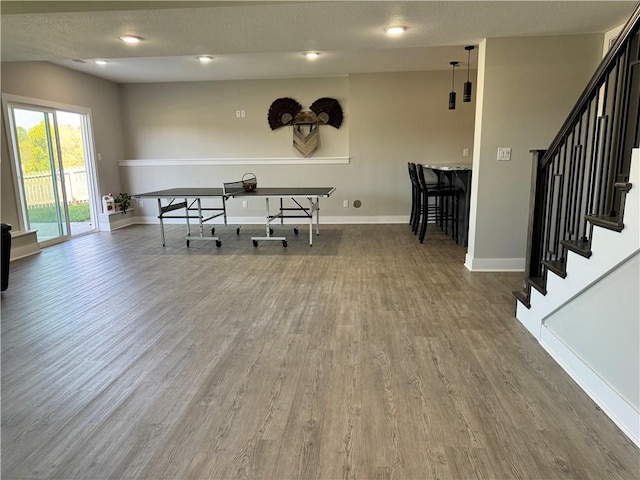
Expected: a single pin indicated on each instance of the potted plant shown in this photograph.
(123, 202)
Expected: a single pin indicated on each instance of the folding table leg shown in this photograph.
(161, 222)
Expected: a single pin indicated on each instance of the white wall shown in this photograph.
(601, 327)
(609, 37)
(530, 85)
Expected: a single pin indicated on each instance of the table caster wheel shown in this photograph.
(284, 243)
(255, 243)
(218, 243)
(187, 243)
(295, 230)
(238, 231)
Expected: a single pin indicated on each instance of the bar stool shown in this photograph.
(444, 195)
(416, 198)
(415, 195)
(417, 205)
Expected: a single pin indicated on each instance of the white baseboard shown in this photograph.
(23, 251)
(494, 264)
(394, 219)
(115, 220)
(24, 244)
(624, 415)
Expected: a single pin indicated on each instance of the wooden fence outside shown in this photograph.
(39, 188)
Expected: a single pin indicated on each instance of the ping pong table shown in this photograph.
(189, 200)
(305, 204)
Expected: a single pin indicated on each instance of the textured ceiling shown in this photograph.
(265, 39)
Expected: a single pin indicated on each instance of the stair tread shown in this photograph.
(556, 266)
(538, 283)
(522, 297)
(581, 247)
(606, 221)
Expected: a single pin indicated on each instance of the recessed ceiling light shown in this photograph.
(130, 39)
(395, 29)
(311, 55)
(101, 62)
(204, 58)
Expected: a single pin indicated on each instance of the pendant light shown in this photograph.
(452, 93)
(466, 94)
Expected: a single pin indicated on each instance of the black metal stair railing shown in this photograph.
(575, 178)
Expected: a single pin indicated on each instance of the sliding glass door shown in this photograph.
(53, 172)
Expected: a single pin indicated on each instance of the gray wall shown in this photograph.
(390, 119)
(9, 210)
(396, 118)
(52, 83)
(530, 86)
(198, 120)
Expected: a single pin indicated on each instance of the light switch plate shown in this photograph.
(504, 154)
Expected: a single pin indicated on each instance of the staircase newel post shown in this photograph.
(535, 241)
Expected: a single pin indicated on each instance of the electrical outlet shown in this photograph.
(345, 203)
(237, 113)
(242, 113)
(465, 152)
(245, 204)
(504, 154)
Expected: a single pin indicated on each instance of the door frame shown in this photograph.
(90, 153)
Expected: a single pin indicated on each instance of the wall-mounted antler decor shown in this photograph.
(287, 111)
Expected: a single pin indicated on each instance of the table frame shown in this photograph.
(179, 198)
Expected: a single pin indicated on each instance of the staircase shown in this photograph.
(584, 238)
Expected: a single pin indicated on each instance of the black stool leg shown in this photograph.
(413, 205)
(457, 216)
(416, 218)
(450, 216)
(444, 218)
(425, 216)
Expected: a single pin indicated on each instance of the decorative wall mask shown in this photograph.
(287, 111)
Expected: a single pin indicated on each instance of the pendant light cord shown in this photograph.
(453, 74)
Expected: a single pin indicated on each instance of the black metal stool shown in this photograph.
(444, 195)
(417, 205)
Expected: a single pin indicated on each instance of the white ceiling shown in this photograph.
(252, 39)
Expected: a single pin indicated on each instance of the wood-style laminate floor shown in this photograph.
(366, 356)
